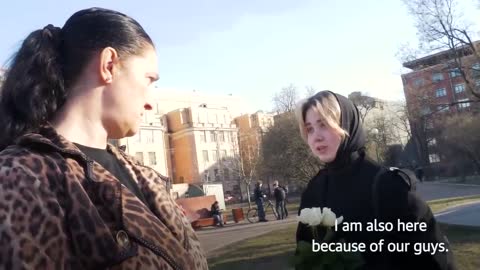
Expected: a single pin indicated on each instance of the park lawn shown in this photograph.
(443, 204)
(274, 250)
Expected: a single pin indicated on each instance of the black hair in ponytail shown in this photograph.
(50, 60)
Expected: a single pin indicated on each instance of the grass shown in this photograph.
(443, 204)
(273, 250)
(465, 242)
(269, 251)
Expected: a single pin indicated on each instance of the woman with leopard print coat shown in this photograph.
(69, 200)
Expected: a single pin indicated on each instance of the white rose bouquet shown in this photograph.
(305, 257)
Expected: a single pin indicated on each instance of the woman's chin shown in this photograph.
(325, 158)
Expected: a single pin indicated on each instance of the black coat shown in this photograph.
(258, 193)
(279, 193)
(348, 192)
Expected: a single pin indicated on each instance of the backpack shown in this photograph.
(406, 175)
(411, 180)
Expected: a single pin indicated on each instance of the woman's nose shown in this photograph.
(318, 136)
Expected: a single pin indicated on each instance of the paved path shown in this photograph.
(215, 238)
(432, 191)
(468, 214)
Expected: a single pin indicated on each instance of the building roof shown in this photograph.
(438, 58)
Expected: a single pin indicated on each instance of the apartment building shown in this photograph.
(434, 82)
(150, 144)
(167, 100)
(203, 146)
(250, 131)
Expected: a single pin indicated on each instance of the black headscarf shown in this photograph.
(354, 144)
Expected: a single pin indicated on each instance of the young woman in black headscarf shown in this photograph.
(360, 190)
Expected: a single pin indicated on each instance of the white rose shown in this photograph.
(311, 216)
(329, 218)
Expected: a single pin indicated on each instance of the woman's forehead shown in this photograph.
(314, 113)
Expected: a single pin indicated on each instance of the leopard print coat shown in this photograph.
(61, 210)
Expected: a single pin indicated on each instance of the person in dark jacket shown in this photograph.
(216, 214)
(260, 196)
(360, 190)
(280, 195)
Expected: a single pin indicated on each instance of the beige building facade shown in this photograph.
(150, 144)
(250, 130)
(203, 146)
(191, 138)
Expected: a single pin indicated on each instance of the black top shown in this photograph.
(258, 193)
(215, 209)
(110, 163)
(279, 193)
(348, 192)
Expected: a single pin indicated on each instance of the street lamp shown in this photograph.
(375, 133)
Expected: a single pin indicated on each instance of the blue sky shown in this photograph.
(252, 48)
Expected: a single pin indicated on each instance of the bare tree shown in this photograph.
(460, 140)
(244, 164)
(310, 91)
(402, 122)
(286, 99)
(363, 102)
(440, 27)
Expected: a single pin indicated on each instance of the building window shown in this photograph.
(433, 158)
(463, 105)
(210, 117)
(205, 156)
(476, 70)
(455, 73)
(215, 155)
(139, 157)
(203, 136)
(441, 92)
(223, 153)
(213, 136)
(459, 88)
(428, 124)
(221, 136)
(138, 137)
(419, 82)
(477, 83)
(226, 174)
(443, 108)
(436, 77)
(152, 157)
(158, 134)
(149, 136)
(425, 110)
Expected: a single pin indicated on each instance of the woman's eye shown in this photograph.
(309, 130)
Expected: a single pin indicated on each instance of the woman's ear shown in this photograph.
(108, 59)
